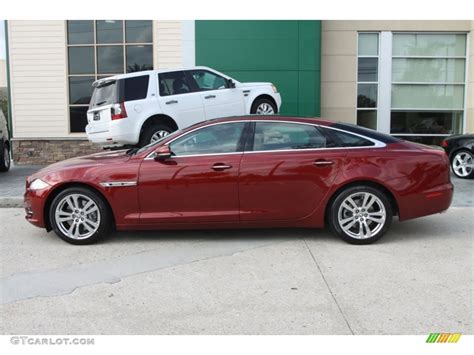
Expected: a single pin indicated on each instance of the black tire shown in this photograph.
(455, 169)
(149, 132)
(105, 218)
(357, 195)
(263, 101)
(5, 161)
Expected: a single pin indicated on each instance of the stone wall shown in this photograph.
(41, 152)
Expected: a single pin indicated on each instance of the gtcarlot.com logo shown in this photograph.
(29, 340)
(443, 338)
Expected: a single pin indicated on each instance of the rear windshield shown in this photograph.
(104, 94)
(112, 92)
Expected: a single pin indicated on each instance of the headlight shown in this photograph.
(275, 90)
(38, 184)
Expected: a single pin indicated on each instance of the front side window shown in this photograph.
(206, 80)
(99, 49)
(173, 83)
(284, 136)
(216, 139)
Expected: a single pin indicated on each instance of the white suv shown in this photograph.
(139, 108)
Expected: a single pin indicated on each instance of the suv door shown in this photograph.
(286, 172)
(219, 99)
(178, 100)
(199, 183)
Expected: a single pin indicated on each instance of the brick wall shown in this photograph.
(41, 152)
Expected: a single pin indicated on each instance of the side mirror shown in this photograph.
(163, 153)
(230, 83)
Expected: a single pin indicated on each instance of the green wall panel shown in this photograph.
(287, 53)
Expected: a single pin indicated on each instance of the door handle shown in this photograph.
(322, 162)
(171, 102)
(210, 97)
(220, 166)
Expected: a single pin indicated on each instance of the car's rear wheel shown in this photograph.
(360, 214)
(79, 215)
(153, 133)
(263, 107)
(5, 161)
(462, 164)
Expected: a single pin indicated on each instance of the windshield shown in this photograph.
(105, 94)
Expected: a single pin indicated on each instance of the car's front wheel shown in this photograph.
(360, 214)
(79, 215)
(5, 161)
(462, 164)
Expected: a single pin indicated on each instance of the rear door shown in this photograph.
(287, 172)
(219, 99)
(178, 100)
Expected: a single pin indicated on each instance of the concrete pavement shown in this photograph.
(417, 279)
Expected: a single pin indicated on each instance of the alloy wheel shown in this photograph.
(158, 135)
(462, 164)
(362, 215)
(77, 216)
(265, 109)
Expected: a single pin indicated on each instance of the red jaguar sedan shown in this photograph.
(245, 172)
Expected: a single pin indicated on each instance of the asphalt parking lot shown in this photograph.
(417, 279)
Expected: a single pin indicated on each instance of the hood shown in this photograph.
(92, 160)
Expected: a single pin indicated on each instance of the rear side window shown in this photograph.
(173, 83)
(344, 139)
(135, 88)
(284, 136)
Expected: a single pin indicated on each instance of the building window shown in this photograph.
(97, 49)
(367, 79)
(428, 85)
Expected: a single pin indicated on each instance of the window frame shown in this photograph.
(95, 74)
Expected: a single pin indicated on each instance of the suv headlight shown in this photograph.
(275, 90)
(38, 184)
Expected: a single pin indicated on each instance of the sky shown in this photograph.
(2, 39)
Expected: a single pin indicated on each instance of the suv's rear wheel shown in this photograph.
(263, 107)
(79, 215)
(360, 214)
(5, 161)
(153, 133)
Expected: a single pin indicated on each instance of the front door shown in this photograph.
(199, 183)
(178, 100)
(219, 99)
(287, 173)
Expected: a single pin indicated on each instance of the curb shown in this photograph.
(11, 202)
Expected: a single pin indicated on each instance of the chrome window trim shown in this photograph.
(377, 143)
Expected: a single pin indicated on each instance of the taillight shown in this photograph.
(118, 111)
(444, 143)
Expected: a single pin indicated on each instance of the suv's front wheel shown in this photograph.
(153, 133)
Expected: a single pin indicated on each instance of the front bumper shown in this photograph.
(34, 203)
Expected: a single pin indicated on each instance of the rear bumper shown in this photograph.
(434, 200)
(116, 133)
